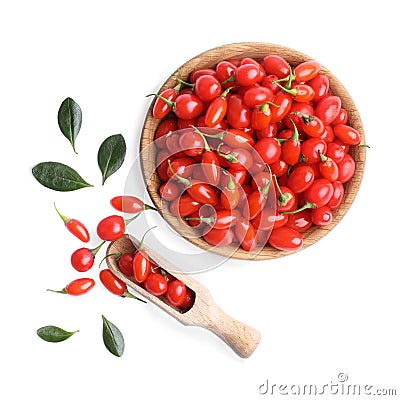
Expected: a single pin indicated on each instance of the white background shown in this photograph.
(331, 308)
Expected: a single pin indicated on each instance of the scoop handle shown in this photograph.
(241, 338)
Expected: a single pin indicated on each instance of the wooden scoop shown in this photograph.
(205, 313)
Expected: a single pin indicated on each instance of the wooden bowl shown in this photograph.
(258, 51)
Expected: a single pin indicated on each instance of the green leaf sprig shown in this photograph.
(70, 120)
(111, 155)
(61, 177)
(112, 338)
(54, 334)
(58, 176)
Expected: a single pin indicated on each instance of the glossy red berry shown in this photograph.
(112, 283)
(77, 287)
(111, 228)
(321, 216)
(176, 293)
(82, 259)
(75, 227)
(156, 284)
(125, 264)
(286, 239)
(129, 204)
(141, 266)
(189, 300)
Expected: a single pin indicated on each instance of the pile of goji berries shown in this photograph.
(147, 274)
(139, 267)
(253, 152)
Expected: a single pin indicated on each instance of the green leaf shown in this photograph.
(53, 334)
(112, 338)
(59, 177)
(70, 120)
(111, 155)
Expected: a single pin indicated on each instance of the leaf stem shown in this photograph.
(219, 135)
(183, 180)
(323, 157)
(226, 91)
(63, 217)
(285, 79)
(264, 190)
(283, 198)
(177, 88)
(149, 207)
(230, 79)
(231, 184)
(207, 220)
(295, 134)
(141, 244)
(169, 102)
(293, 92)
(305, 117)
(118, 255)
(290, 79)
(132, 296)
(129, 220)
(206, 145)
(62, 291)
(175, 78)
(96, 249)
(231, 157)
(306, 205)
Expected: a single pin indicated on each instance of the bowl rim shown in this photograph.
(209, 58)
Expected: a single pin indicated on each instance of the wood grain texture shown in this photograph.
(242, 338)
(258, 51)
